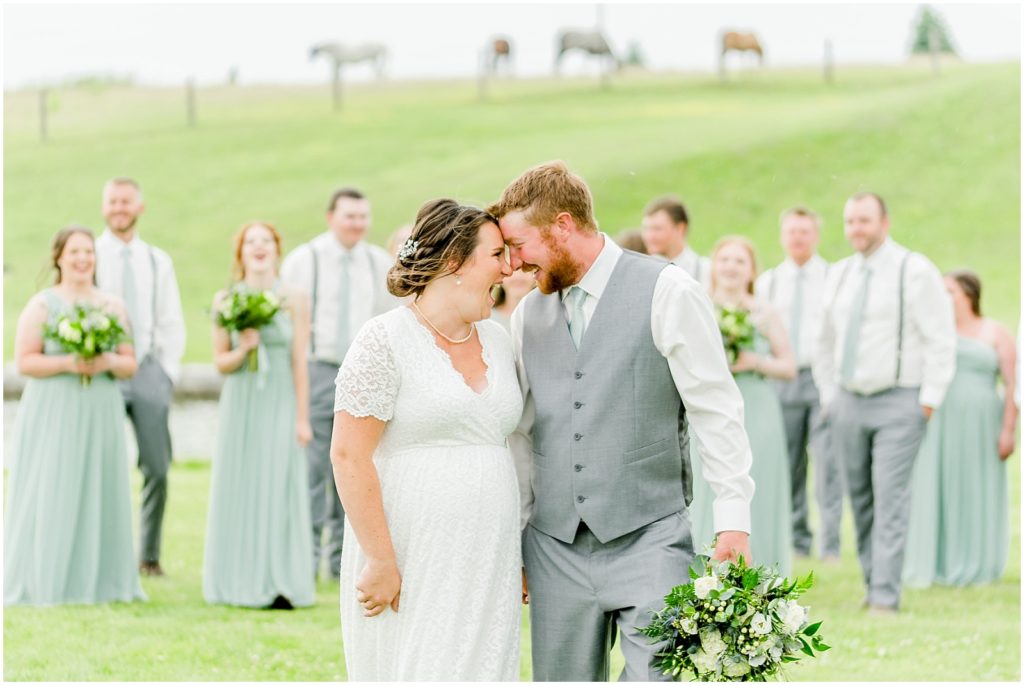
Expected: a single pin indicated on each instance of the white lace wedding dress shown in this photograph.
(451, 503)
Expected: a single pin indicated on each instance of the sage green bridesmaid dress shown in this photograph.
(68, 524)
(771, 528)
(258, 546)
(959, 507)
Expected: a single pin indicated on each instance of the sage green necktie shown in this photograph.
(341, 340)
(128, 291)
(796, 313)
(577, 296)
(853, 325)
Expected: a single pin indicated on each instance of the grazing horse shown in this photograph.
(591, 42)
(501, 51)
(739, 42)
(344, 54)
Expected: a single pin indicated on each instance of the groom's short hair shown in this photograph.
(545, 191)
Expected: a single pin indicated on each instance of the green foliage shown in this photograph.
(945, 153)
(927, 22)
(737, 330)
(243, 307)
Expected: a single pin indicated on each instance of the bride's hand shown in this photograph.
(379, 586)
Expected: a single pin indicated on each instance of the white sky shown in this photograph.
(269, 43)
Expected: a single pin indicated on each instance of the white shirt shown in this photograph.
(692, 263)
(686, 333)
(166, 340)
(778, 286)
(929, 332)
(368, 293)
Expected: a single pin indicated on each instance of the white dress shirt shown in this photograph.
(368, 293)
(166, 339)
(686, 332)
(692, 263)
(929, 332)
(778, 286)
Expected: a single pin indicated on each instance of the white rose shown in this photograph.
(757, 659)
(688, 626)
(703, 586)
(703, 662)
(793, 616)
(271, 297)
(760, 624)
(711, 640)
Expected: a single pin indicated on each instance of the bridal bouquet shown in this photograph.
(737, 331)
(733, 623)
(244, 307)
(86, 332)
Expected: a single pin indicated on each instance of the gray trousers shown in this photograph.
(324, 505)
(807, 431)
(878, 437)
(581, 592)
(147, 401)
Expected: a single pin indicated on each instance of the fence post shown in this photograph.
(190, 102)
(44, 96)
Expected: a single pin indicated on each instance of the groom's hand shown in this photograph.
(731, 545)
(526, 590)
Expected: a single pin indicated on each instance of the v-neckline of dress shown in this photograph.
(484, 356)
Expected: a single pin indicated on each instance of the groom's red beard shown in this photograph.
(563, 271)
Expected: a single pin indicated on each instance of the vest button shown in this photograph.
(578, 437)
(579, 374)
(580, 499)
(578, 467)
(577, 404)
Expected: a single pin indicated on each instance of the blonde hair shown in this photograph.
(751, 252)
(545, 191)
(800, 210)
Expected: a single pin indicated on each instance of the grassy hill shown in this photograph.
(945, 153)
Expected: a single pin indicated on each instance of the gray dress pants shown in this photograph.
(324, 504)
(878, 437)
(582, 593)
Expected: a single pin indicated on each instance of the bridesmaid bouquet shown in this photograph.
(737, 331)
(86, 332)
(733, 623)
(244, 307)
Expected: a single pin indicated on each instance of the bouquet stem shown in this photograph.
(86, 380)
(254, 361)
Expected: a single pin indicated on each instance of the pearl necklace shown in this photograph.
(472, 327)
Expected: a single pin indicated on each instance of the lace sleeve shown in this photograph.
(367, 381)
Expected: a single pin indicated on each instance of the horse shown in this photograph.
(344, 54)
(739, 42)
(500, 50)
(591, 42)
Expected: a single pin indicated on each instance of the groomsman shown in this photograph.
(795, 288)
(886, 355)
(345, 278)
(666, 228)
(143, 276)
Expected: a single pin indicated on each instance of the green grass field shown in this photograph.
(942, 633)
(945, 152)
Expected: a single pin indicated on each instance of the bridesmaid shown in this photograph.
(68, 528)
(258, 549)
(959, 521)
(733, 271)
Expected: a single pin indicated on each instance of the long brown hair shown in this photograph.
(238, 268)
(751, 252)
(60, 241)
(970, 284)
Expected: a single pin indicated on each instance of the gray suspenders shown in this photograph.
(314, 289)
(902, 307)
(152, 264)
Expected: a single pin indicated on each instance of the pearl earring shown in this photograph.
(458, 280)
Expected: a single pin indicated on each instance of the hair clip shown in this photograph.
(408, 248)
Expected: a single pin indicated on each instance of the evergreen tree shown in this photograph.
(928, 21)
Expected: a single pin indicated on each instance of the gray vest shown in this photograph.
(609, 439)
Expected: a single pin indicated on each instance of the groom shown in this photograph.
(610, 350)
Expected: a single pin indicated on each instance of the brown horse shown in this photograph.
(739, 42)
(501, 51)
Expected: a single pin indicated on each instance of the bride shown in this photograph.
(425, 399)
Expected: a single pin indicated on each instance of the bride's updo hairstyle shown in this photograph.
(443, 238)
